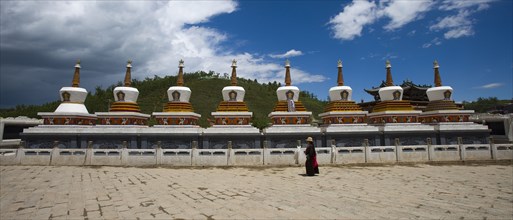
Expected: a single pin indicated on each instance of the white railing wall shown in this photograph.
(254, 157)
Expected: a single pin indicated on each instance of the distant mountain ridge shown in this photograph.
(206, 95)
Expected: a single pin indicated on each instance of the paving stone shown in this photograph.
(350, 192)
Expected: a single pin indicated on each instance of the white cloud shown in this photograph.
(456, 26)
(403, 12)
(105, 34)
(491, 86)
(435, 42)
(452, 4)
(349, 23)
(461, 24)
(459, 32)
(290, 53)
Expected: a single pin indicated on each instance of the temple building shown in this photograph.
(124, 110)
(343, 120)
(290, 119)
(232, 119)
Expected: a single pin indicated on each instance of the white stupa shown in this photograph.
(439, 92)
(232, 110)
(179, 93)
(290, 119)
(342, 109)
(178, 112)
(72, 110)
(124, 110)
(390, 92)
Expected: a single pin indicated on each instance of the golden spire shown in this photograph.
(76, 75)
(128, 74)
(179, 79)
(438, 79)
(340, 79)
(234, 72)
(390, 81)
(288, 81)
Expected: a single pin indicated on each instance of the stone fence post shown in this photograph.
(398, 150)
(430, 148)
(89, 154)
(463, 153)
(158, 153)
(298, 152)
(333, 146)
(229, 153)
(194, 152)
(20, 153)
(493, 149)
(265, 146)
(366, 149)
(124, 154)
(55, 152)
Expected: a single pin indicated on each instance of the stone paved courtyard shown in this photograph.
(364, 192)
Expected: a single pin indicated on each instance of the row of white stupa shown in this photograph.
(73, 97)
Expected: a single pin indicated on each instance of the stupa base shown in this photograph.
(241, 137)
(350, 117)
(122, 118)
(178, 107)
(433, 117)
(469, 132)
(61, 118)
(232, 106)
(385, 117)
(290, 118)
(120, 106)
(292, 135)
(232, 118)
(176, 118)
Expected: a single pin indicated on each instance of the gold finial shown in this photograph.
(390, 81)
(234, 73)
(340, 79)
(288, 81)
(179, 79)
(438, 79)
(128, 74)
(76, 75)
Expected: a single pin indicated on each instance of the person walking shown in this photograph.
(311, 165)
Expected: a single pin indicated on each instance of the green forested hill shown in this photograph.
(206, 95)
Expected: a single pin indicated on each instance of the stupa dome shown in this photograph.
(126, 93)
(439, 92)
(73, 97)
(284, 92)
(390, 92)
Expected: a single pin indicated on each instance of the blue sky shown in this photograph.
(472, 40)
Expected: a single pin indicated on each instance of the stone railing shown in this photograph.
(254, 157)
